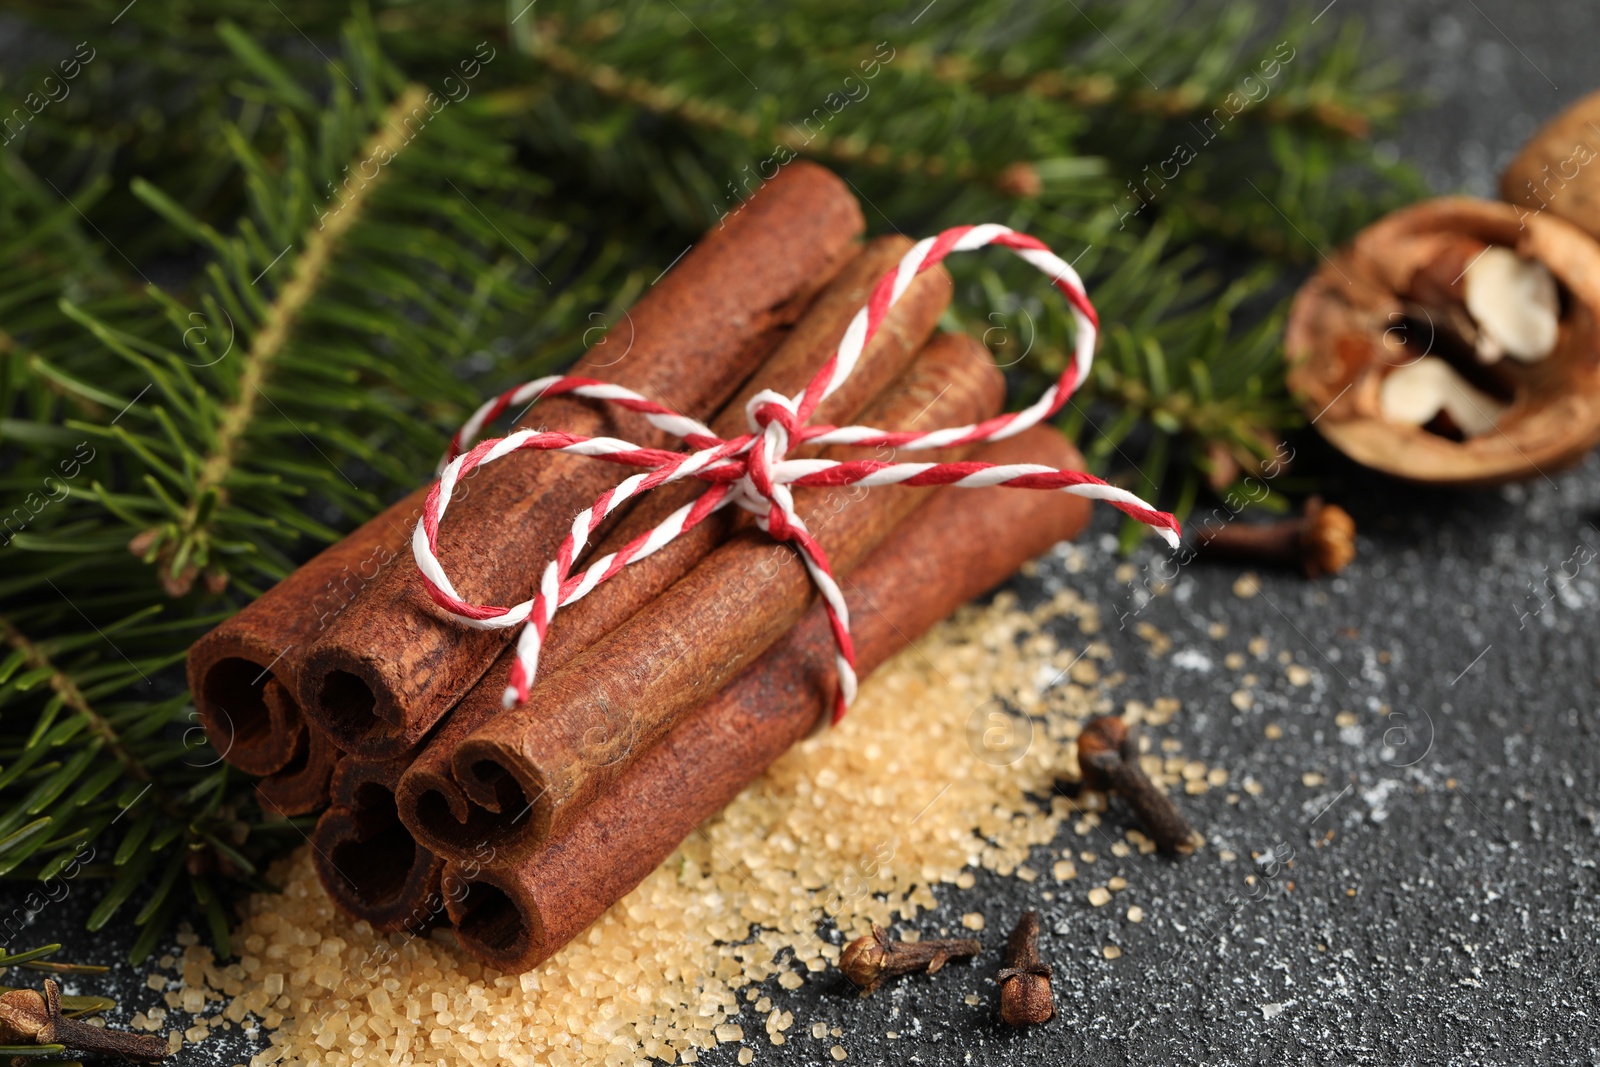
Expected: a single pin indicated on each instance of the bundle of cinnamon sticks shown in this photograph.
(673, 685)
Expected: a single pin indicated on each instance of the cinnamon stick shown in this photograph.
(957, 545)
(429, 798)
(300, 787)
(542, 762)
(391, 664)
(368, 862)
(229, 667)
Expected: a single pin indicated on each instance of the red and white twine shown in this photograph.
(753, 471)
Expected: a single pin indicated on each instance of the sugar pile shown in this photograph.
(946, 762)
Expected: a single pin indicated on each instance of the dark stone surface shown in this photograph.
(1443, 905)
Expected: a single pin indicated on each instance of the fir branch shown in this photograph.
(672, 103)
(36, 660)
(1096, 90)
(317, 249)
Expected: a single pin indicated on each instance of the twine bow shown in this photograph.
(753, 471)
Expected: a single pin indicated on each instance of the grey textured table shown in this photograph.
(1451, 916)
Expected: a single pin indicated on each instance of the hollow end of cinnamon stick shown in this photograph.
(230, 666)
(355, 706)
(509, 813)
(370, 865)
(228, 676)
(489, 808)
(495, 919)
(301, 786)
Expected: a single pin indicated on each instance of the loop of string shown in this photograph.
(753, 471)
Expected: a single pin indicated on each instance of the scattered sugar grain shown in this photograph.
(1099, 896)
(1136, 914)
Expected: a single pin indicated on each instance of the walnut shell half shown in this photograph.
(1358, 319)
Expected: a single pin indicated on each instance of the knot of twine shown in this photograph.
(753, 471)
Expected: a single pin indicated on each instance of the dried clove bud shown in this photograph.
(28, 1017)
(1108, 760)
(1025, 998)
(868, 960)
(1321, 541)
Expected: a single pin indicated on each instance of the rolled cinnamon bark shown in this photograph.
(300, 787)
(392, 664)
(959, 544)
(229, 668)
(542, 762)
(429, 798)
(368, 862)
